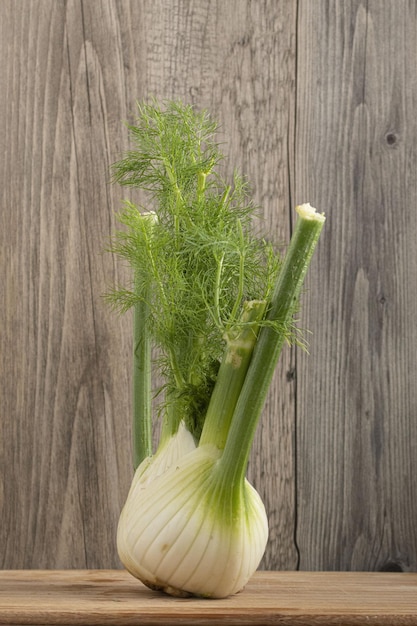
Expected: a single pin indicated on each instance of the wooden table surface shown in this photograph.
(286, 598)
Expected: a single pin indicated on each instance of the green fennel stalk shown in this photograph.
(142, 395)
(231, 376)
(142, 365)
(269, 344)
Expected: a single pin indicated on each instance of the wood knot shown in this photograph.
(290, 375)
(391, 139)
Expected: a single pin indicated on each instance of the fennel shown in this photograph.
(142, 382)
(216, 302)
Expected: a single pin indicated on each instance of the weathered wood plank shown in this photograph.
(357, 401)
(70, 73)
(65, 382)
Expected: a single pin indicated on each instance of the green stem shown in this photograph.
(142, 366)
(231, 376)
(171, 421)
(217, 315)
(241, 273)
(201, 184)
(269, 343)
(142, 409)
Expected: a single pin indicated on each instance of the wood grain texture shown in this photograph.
(64, 374)
(317, 103)
(285, 598)
(357, 401)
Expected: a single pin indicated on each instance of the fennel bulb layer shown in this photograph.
(187, 533)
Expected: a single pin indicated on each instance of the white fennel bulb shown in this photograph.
(185, 531)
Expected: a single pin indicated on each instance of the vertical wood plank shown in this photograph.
(357, 401)
(65, 382)
(71, 72)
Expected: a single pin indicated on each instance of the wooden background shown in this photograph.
(318, 102)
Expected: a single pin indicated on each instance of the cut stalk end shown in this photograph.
(307, 212)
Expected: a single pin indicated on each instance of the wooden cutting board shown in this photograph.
(284, 598)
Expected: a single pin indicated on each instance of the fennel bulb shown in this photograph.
(184, 532)
(216, 304)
